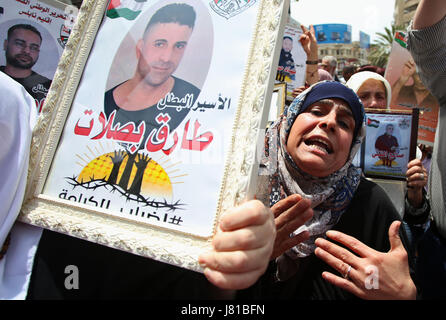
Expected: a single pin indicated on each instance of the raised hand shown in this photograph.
(309, 42)
(289, 214)
(416, 177)
(368, 274)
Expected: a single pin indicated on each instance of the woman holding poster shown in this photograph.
(375, 93)
(307, 169)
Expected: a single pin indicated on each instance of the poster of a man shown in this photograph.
(22, 48)
(389, 143)
(291, 68)
(286, 61)
(153, 89)
(33, 35)
(387, 146)
(160, 122)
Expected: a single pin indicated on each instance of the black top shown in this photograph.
(36, 85)
(180, 91)
(368, 219)
(107, 273)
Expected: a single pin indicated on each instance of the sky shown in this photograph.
(369, 16)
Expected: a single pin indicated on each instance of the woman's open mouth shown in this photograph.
(319, 144)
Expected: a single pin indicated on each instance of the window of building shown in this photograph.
(410, 9)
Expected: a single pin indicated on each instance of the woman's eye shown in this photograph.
(364, 97)
(344, 124)
(316, 112)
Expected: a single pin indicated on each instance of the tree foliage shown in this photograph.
(380, 49)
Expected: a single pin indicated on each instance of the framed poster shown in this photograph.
(33, 35)
(277, 102)
(390, 143)
(136, 147)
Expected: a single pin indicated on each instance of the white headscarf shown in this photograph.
(358, 79)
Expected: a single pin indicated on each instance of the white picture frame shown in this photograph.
(278, 101)
(63, 148)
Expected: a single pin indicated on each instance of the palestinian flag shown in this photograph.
(400, 37)
(372, 123)
(127, 9)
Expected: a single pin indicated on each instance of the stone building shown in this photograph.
(404, 11)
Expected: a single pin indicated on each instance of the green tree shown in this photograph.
(380, 49)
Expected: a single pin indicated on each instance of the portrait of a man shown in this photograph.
(387, 146)
(286, 60)
(22, 48)
(153, 89)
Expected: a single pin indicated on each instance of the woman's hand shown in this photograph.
(289, 214)
(309, 42)
(372, 274)
(297, 91)
(242, 247)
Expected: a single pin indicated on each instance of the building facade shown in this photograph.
(404, 12)
(345, 53)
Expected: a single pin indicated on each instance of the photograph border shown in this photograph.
(281, 89)
(241, 167)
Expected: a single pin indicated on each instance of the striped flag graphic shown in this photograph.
(127, 9)
(400, 37)
(372, 123)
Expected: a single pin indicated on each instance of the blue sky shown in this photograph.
(369, 16)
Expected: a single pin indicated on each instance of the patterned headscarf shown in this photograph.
(330, 195)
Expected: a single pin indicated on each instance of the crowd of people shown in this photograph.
(318, 229)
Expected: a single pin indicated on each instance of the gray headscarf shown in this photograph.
(281, 177)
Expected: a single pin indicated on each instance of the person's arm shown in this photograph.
(17, 117)
(309, 44)
(428, 13)
(416, 181)
(427, 44)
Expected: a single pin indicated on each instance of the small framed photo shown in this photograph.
(390, 143)
(278, 100)
(148, 134)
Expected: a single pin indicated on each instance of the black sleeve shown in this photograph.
(417, 216)
(368, 218)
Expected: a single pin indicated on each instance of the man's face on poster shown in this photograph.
(22, 49)
(160, 51)
(389, 130)
(287, 45)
